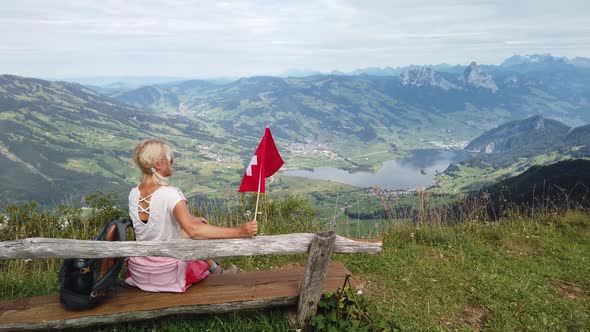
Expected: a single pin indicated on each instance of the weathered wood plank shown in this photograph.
(82, 322)
(297, 243)
(215, 294)
(320, 251)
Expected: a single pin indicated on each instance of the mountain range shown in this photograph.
(62, 140)
(519, 63)
(520, 87)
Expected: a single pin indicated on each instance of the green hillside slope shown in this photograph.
(59, 141)
(513, 148)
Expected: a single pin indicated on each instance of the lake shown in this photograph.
(408, 173)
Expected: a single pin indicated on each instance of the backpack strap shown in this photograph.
(108, 279)
(121, 228)
(115, 230)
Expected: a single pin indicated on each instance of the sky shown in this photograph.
(208, 39)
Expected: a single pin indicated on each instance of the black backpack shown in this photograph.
(85, 282)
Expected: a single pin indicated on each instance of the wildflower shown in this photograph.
(248, 213)
(65, 223)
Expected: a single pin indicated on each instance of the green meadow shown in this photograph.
(522, 273)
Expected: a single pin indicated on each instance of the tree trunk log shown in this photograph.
(320, 251)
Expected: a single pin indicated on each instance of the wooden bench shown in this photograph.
(301, 286)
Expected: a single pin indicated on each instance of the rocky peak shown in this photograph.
(473, 76)
(536, 122)
(534, 133)
(422, 76)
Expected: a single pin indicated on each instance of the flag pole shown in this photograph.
(260, 178)
(258, 194)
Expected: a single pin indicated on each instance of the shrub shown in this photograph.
(346, 310)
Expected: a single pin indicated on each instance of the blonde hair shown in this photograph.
(147, 153)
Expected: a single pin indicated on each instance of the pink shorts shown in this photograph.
(196, 271)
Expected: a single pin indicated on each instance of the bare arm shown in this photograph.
(198, 228)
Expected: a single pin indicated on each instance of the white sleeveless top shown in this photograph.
(156, 274)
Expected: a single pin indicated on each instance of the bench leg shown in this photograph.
(320, 251)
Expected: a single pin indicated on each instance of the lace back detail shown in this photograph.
(140, 208)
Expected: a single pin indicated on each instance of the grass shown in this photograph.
(513, 275)
(519, 274)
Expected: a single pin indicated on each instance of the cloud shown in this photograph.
(240, 38)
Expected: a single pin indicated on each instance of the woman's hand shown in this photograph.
(249, 229)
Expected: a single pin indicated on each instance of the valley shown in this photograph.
(60, 141)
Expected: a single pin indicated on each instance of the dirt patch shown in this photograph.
(473, 316)
(570, 290)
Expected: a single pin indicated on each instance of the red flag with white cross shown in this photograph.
(265, 162)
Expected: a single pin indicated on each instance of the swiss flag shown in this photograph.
(265, 162)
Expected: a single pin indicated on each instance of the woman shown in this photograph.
(160, 212)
